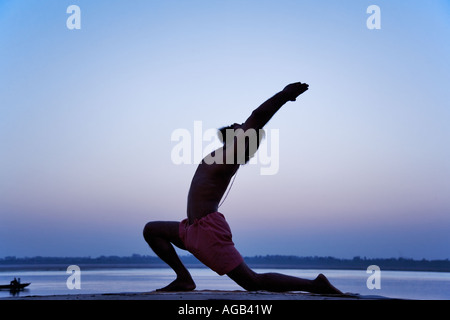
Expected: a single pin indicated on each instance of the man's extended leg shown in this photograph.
(252, 281)
(160, 236)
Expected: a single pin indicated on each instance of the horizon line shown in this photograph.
(136, 256)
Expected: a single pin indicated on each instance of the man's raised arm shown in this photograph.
(261, 115)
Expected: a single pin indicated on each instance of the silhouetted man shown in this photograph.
(205, 233)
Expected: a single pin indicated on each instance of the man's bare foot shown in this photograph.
(323, 286)
(179, 285)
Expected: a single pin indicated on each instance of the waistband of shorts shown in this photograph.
(197, 220)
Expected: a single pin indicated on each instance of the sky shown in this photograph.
(359, 165)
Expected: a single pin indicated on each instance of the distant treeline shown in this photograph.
(268, 261)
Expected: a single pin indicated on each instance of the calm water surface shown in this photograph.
(395, 284)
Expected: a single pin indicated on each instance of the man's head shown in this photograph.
(222, 132)
(252, 140)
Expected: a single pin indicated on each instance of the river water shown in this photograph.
(393, 284)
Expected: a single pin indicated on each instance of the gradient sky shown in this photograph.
(86, 118)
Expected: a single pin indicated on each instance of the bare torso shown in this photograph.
(207, 188)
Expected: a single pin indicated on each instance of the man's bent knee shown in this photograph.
(150, 230)
(167, 230)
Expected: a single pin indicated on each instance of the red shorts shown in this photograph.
(209, 240)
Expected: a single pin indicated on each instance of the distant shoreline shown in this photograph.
(267, 262)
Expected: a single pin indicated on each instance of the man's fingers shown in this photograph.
(302, 85)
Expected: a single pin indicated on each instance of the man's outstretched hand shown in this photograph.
(293, 90)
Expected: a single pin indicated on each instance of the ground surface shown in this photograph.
(201, 295)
